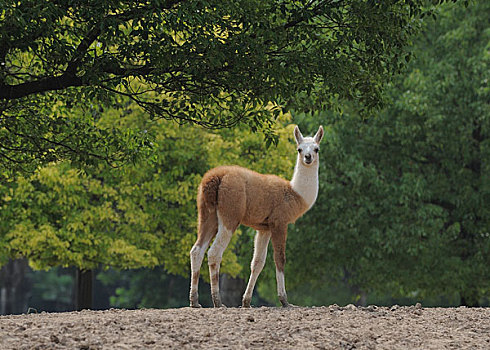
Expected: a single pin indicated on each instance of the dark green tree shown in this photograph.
(213, 63)
(404, 203)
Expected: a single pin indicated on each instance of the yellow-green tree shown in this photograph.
(139, 215)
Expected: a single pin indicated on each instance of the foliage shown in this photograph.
(212, 63)
(404, 196)
(51, 127)
(66, 217)
(403, 202)
(139, 215)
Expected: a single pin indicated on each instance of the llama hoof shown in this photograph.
(196, 305)
(194, 301)
(284, 302)
(246, 304)
(220, 305)
(217, 302)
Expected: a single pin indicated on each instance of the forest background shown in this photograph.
(100, 191)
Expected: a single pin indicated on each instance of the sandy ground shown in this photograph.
(329, 327)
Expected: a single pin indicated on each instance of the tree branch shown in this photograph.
(69, 77)
(10, 92)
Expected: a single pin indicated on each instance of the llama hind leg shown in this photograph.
(197, 255)
(206, 233)
(215, 254)
(260, 254)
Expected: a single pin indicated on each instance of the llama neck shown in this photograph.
(305, 182)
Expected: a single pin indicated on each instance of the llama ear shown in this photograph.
(319, 134)
(297, 135)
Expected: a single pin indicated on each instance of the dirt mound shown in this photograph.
(329, 327)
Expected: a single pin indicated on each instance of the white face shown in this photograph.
(308, 147)
(308, 151)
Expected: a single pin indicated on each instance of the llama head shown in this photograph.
(308, 147)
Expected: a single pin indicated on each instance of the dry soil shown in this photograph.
(330, 327)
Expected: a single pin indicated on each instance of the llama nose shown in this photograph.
(308, 156)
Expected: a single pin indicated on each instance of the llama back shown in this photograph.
(207, 198)
(265, 198)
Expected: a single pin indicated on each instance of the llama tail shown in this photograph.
(208, 193)
(207, 205)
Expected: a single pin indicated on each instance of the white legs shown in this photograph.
(197, 255)
(215, 255)
(260, 254)
(281, 287)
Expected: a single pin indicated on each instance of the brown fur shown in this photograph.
(243, 196)
(231, 195)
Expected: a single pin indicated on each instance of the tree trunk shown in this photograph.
(84, 290)
(14, 287)
(469, 298)
(362, 301)
(232, 290)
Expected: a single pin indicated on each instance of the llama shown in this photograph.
(231, 195)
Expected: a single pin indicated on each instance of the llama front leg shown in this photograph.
(260, 254)
(279, 245)
(215, 254)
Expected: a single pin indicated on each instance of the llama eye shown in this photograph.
(300, 150)
(316, 150)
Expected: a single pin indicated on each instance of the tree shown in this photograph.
(212, 63)
(404, 198)
(14, 287)
(141, 215)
